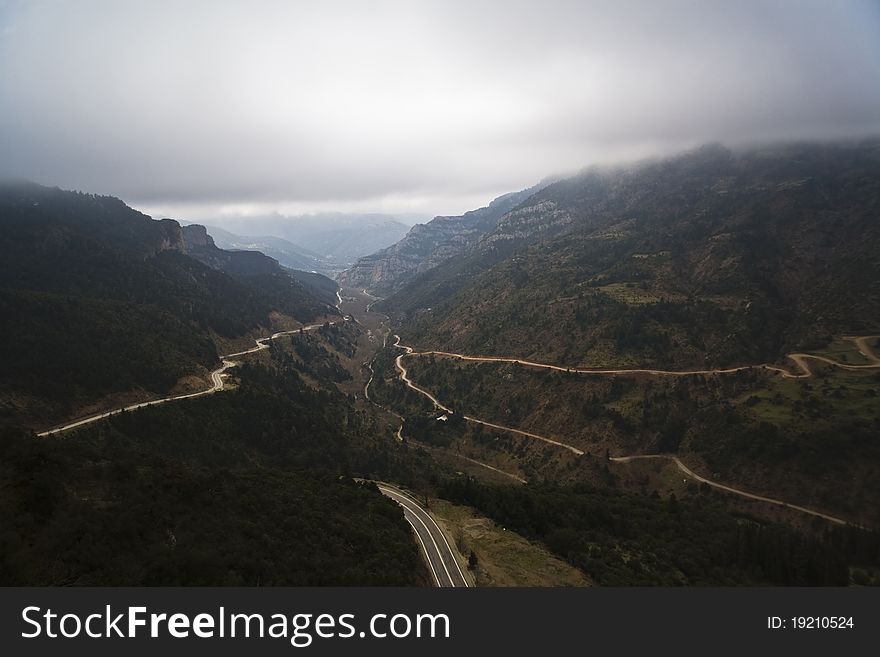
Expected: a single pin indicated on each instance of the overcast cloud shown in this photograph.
(196, 109)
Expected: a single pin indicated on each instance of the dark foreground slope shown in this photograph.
(710, 258)
(249, 487)
(97, 298)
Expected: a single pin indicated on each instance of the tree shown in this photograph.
(472, 561)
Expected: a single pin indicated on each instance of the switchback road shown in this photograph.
(398, 362)
(800, 359)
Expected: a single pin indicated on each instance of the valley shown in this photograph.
(625, 377)
(423, 411)
(860, 343)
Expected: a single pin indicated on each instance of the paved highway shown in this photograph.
(441, 556)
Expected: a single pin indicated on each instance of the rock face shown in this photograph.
(428, 245)
(171, 236)
(196, 237)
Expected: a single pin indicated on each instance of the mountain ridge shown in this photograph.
(427, 245)
(692, 260)
(87, 279)
(284, 251)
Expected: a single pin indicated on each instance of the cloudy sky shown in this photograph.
(200, 109)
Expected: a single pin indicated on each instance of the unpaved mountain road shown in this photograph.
(736, 491)
(216, 381)
(800, 359)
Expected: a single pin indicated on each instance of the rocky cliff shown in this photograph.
(428, 245)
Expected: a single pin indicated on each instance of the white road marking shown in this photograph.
(417, 512)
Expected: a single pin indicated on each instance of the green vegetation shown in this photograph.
(252, 486)
(809, 441)
(499, 556)
(619, 539)
(316, 354)
(843, 351)
(630, 293)
(766, 252)
(77, 513)
(96, 298)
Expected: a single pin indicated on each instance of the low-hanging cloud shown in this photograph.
(202, 108)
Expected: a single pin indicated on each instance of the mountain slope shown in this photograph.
(319, 286)
(99, 299)
(285, 287)
(252, 487)
(709, 258)
(427, 245)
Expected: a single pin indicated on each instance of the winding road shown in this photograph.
(800, 360)
(217, 383)
(404, 376)
(509, 475)
(440, 555)
(736, 491)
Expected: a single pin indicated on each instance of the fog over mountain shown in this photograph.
(208, 111)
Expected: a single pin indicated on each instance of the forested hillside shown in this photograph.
(709, 258)
(249, 487)
(620, 539)
(97, 298)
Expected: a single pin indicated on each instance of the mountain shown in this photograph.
(286, 253)
(427, 245)
(712, 257)
(339, 238)
(257, 269)
(85, 279)
(199, 245)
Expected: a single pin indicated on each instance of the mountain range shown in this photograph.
(285, 252)
(337, 238)
(708, 259)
